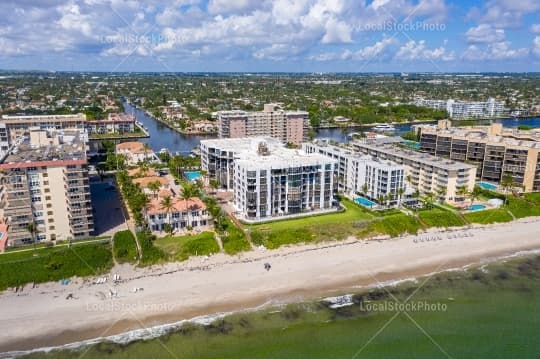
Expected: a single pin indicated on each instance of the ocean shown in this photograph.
(485, 311)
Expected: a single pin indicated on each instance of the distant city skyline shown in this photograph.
(271, 36)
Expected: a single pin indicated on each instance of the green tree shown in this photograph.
(188, 192)
(154, 186)
(507, 181)
(168, 205)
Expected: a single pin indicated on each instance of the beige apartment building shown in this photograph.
(46, 185)
(273, 121)
(424, 172)
(13, 127)
(494, 150)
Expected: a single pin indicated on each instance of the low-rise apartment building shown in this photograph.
(286, 126)
(114, 123)
(44, 182)
(424, 172)
(494, 150)
(362, 174)
(466, 109)
(269, 181)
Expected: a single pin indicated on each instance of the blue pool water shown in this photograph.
(487, 185)
(364, 202)
(477, 207)
(192, 175)
(412, 144)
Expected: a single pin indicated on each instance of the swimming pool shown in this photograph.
(192, 175)
(487, 185)
(477, 207)
(412, 144)
(365, 202)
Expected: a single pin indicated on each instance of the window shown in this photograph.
(36, 199)
(51, 220)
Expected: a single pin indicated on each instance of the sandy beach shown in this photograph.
(42, 316)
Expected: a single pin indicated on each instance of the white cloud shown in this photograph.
(413, 50)
(496, 51)
(504, 13)
(484, 33)
(232, 6)
(536, 46)
(379, 50)
(535, 28)
(336, 32)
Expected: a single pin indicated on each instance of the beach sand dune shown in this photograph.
(42, 316)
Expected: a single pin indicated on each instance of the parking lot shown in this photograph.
(107, 208)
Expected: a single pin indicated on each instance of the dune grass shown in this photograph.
(125, 249)
(51, 264)
(182, 247)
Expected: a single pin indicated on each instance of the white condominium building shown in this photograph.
(286, 126)
(466, 109)
(217, 156)
(362, 174)
(425, 173)
(270, 181)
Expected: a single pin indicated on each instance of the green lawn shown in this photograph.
(488, 216)
(51, 264)
(352, 213)
(125, 249)
(182, 247)
(522, 208)
(437, 217)
(234, 241)
(151, 254)
(533, 197)
(392, 225)
(312, 229)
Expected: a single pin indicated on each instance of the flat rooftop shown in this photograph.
(241, 144)
(423, 158)
(24, 154)
(281, 158)
(343, 150)
(508, 136)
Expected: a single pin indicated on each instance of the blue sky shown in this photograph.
(279, 35)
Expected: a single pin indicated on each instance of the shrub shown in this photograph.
(125, 249)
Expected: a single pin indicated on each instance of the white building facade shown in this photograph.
(362, 174)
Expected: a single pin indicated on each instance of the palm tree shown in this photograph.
(214, 184)
(143, 169)
(168, 205)
(507, 181)
(365, 189)
(32, 229)
(188, 192)
(146, 149)
(400, 193)
(154, 186)
(381, 199)
(441, 192)
(429, 199)
(474, 194)
(462, 191)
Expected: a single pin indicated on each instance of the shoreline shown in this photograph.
(42, 317)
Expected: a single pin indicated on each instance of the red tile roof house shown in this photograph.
(182, 216)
